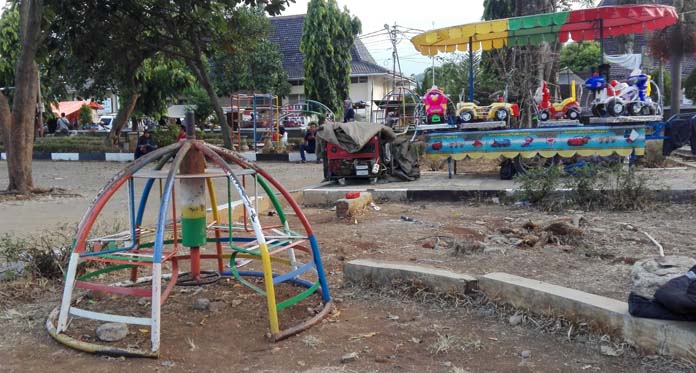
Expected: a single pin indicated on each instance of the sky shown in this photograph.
(419, 15)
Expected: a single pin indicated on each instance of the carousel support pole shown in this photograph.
(601, 42)
(471, 71)
(449, 167)
(193, 221)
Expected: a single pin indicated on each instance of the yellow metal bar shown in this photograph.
(573, 95)
(648, 91)
(270, 291)
(213, 199)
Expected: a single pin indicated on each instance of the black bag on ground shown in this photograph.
(640, 306)
(675, 300)
(679, 294)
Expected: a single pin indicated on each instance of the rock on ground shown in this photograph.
(649, 274)
(112, 331)
(202, 304)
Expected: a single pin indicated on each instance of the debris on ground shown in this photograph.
(349, 358)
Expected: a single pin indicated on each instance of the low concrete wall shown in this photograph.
(384, 273)
(603, 314)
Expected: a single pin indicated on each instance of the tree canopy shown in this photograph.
(580, 56)
(329, 34)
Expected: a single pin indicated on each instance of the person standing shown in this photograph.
(348, 111)
(63, 126)
(310, 142)
(145, 144)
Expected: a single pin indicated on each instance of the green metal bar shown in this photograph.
(274, 200)
(132, 259)
(297, 298)
(105, 270)
(235, 274)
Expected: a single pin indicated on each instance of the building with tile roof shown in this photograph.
(369, 81)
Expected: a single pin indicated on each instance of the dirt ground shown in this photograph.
(389, 331)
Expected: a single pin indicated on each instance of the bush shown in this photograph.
(537, 184)
(653, 155)
(85, 115)
(586, 187)
(72, 144)
(166, 135)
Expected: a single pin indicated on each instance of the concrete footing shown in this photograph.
(382, 273)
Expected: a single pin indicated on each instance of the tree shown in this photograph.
(580, 56)
(328, 36)
(17, 122)
(675, 42)
(158, 82)
(259, 69)
(85, 115)
(191, 31)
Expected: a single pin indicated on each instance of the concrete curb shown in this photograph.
(327, 196)
(604, 314)
(118, 157)
(383, 273)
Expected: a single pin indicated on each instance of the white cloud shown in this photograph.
(374, 14)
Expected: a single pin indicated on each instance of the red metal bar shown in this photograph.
(140, 292)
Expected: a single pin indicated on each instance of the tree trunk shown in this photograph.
(675, 63)
(202, 75)
(124, 112)
(5, 119)
(20, 134)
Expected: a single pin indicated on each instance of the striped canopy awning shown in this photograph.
(579, 25)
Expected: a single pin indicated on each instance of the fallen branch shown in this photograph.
(662, 250)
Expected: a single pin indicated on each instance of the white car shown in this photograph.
(108, 121)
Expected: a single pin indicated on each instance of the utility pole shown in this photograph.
(392, 37)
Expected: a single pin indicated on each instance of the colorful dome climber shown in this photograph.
(189, 226)
(583, 24)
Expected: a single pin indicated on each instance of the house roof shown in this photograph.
(70, 107)
(286, 32)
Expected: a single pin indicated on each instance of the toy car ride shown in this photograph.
(566, 109)
(500, 111)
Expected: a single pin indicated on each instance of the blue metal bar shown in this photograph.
(254, 119)
(293, 274)
(320, 269)
(296, 281)
(143, 200)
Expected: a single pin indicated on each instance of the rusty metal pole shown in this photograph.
(193, 217)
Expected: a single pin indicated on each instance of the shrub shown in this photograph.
(85, 115)
(537, 184)
(588, 187)
(653, 155)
